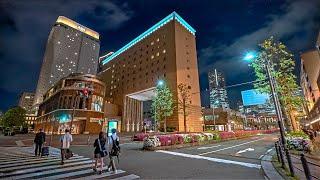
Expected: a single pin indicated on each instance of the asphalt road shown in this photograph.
(236, 159)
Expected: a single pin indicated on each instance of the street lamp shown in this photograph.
(160, 83)
(249, 56)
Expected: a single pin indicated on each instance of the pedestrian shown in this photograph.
(100, 151)
(65, 140)
(39, 140)
(114, 150)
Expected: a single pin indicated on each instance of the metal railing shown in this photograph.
(300, 162)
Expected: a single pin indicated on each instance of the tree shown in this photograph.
(282, 67)
(162, 104)
(184, 102)
(14, 117)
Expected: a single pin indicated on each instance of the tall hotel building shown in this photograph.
(71, 48)
(217, 88)
(166, 51)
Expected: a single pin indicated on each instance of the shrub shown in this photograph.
(140, 136)
(226, 135)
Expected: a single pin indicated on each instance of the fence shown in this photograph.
(301, 164)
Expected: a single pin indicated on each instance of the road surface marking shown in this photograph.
(128, 177)
(106, 174)
(19, 172)
(269, 150)
(261, 156)
(77, 173)
(20, 143)
(38, 165)
(209, 147)
(230, 147)
(54, 171)
(245, 150)
(250, 165)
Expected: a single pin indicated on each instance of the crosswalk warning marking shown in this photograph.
(128, 177)
(77, 173)
(20, 172)
(96, 176)
(39, 165)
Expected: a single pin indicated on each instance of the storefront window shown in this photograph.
(96, 104)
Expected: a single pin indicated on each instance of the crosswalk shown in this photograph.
(19, 163)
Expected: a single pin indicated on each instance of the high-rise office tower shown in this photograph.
(26, 101)
(71, 48)
(165, 53)
(217, 88)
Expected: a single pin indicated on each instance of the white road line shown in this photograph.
(261, 156)
(39, 165)
(34, 161)
(24, 160)
(68, 175)
(269, 150)
(95, 176)
(209, 147)
(47, 173)
(128, 177)
(250, 165)
(19, 172)
(230, 147)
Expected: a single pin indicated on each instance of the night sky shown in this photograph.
(225, 31)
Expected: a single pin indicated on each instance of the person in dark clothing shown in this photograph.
(39, 140)
(100, 151)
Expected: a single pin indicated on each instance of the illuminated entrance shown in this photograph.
(133, 109)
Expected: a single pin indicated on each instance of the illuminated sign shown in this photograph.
(112, 125)
(82, 29)
(253, 97)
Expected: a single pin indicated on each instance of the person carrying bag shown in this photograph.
(100, 151)
(114, 146)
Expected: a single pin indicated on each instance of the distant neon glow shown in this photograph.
(250, 56)
(155, 27)
(64, 118)
(253, 97)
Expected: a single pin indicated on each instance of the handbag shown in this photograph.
(103, 153)
(69, 154)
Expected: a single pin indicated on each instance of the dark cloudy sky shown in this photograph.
(225, 30)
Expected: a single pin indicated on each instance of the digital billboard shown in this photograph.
(253, 97)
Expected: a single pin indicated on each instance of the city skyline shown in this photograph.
(115, 33)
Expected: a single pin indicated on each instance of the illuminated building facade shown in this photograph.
(71, 48)
(26, 101)
(218, 92)
(166, 51)
(62, 101)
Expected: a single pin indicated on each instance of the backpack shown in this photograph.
(115, 151)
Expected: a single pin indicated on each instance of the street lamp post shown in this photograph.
(251, 56)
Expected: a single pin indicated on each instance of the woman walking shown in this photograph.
(100, 151)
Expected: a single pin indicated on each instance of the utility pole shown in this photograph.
(279, 116)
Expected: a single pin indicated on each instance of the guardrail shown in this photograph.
(300, 162)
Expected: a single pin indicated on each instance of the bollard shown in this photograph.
(289, 161)
(277, 151)
(305, 167)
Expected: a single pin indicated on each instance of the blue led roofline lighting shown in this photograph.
(155, 27)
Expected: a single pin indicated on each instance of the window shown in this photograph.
(158, 53)
(158, 40)
(164, 51)
(152, 56)
(152, 43)
(188, 76)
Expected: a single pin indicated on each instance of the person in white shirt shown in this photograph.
(114, 149)
(65, 140)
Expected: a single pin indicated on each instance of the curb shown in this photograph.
(267, 166)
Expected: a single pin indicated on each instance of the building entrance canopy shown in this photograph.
(144, 95)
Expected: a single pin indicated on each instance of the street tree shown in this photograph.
(14, 117)
(282, 67)
(184, 102)
(162, 104)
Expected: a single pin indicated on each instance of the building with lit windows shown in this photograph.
(26, 101)
(217, 89)
(71, 48)
(166, 51)
(64, 105)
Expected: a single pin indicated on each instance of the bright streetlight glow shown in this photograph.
(160, 82)
(250, 56)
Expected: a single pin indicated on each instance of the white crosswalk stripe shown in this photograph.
(20, 163)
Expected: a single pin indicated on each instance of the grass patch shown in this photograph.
(285, 173)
